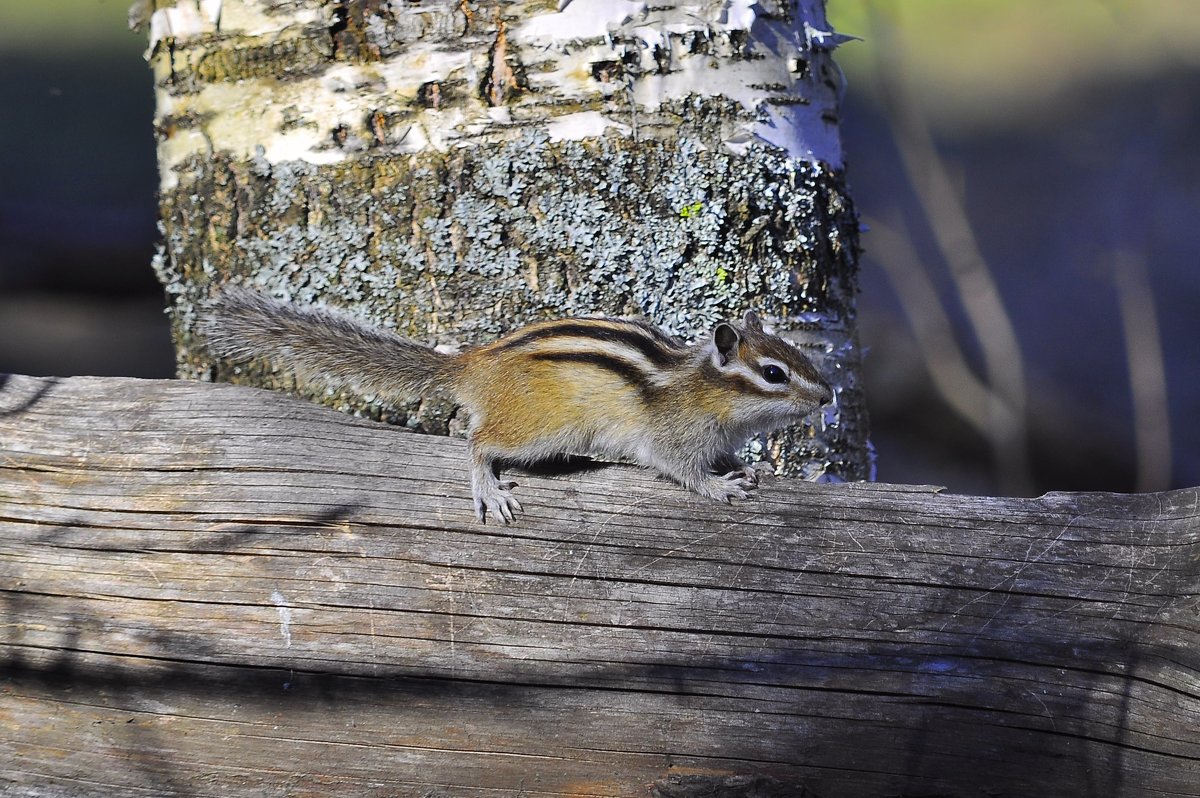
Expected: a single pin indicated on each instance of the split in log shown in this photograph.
(220, 591)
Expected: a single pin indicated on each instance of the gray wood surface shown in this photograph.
(220, 591)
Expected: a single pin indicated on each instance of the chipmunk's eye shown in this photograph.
(774, 374)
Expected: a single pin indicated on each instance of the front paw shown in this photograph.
(732, 466)
(746, 472)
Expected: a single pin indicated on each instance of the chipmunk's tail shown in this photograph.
(322, 345)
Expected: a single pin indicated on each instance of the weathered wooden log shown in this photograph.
(215, 590)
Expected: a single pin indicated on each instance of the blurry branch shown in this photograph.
(965, 393)
(947, 218)
(1147, 373)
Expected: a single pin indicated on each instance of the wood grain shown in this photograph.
(219, 591)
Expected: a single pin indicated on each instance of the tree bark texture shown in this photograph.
(213, 590)
(458, 169)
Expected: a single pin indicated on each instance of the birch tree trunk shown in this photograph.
(457, 169)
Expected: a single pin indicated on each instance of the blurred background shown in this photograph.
(1029, 174)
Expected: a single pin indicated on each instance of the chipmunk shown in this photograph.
(592, 386)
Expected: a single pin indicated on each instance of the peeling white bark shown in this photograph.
(766, 74)
(184, 20)
(592, 68)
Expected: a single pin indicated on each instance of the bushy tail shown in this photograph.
(322, 345)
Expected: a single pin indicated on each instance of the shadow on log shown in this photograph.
(213, 590)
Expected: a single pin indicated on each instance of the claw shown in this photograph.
(494, 500)
(727, 487)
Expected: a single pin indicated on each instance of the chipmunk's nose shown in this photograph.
(824, 395)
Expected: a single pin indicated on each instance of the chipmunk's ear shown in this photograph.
(726, 338)
(751, 321)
